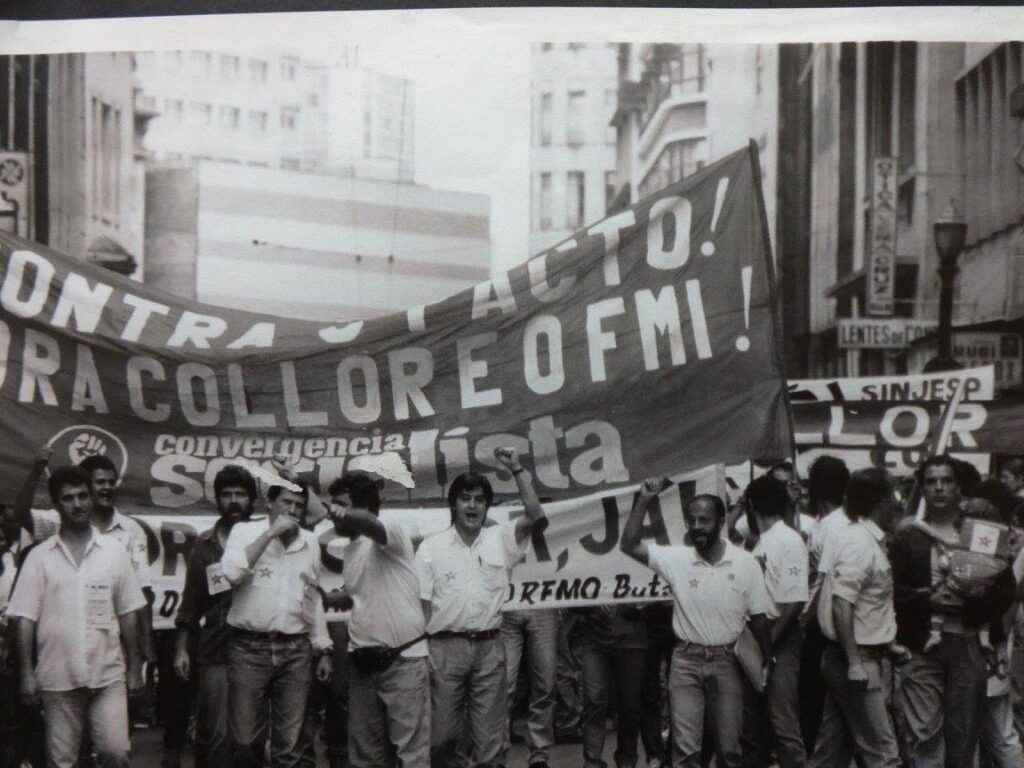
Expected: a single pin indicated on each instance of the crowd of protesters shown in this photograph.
(812, 623)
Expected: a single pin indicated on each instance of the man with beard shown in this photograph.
(464, 575)
(717, 588)
(74, 599)
(277, 622)
(202, 617)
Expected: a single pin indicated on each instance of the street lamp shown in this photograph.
(950, 235)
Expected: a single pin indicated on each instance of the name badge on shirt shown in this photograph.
(97, 607)
(216, 581)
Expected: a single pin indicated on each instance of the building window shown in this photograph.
(174, 110)
(202, 114)
(575, 213)
(201, 63)
(574, 118)
(289, 69)
(106, 168)
(576, 47)
(289, 119)
(609, 190)
(257, 71)
(172, 60)
(257, 122)
(228, 118)
(677, 160)
(758, 69)
(673, 70)
(313, 99)
(148, 103)
(547, 101)
(546, 46)
(144, 60)
(229, 67)
(291, 163)
(611, 96)
(545, 201)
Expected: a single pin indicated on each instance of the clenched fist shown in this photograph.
(651, 487)
(509, 458)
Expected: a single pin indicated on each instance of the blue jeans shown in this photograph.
(537, 632)
(213, 745)
(389, 716)
(774, 715)
(705, 679)
(600, 663)
(106, 712)
(268, 673)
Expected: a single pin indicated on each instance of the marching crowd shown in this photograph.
(811, 623)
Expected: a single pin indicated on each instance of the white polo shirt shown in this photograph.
(712, 602)
(782, 555)
(279, 593)
(133, 539)
(385, 591)
(75, 608)
(467, 585)
(824, 530)
(859, 573)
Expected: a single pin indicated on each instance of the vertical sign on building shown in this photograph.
(14, 213)
(881, 273)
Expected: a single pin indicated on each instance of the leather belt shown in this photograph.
(483, 634)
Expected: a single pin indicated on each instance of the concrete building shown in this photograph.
(869, 146)
(310, 245)
(572, 146)
(987, 100)
(71, 160)
(683, 105)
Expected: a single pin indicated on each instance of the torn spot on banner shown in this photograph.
(388, 465)
(266, 475)
(341, 334)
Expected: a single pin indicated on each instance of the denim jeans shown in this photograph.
(600, 665)
(775, 714)
(213, 742)
(389, 716)
(942, 695)
(1000, 744)
(66, 713)
(468, 693)
(855, 721)
(660, 642)
(537, 633)
(568, 692)
(336, 708)
(705, 680)
(268, 675)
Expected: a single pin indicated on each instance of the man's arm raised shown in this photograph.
(630, 543)
(534, 512)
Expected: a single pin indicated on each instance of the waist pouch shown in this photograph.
(377, 658)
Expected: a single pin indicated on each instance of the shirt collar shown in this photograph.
(727, 556)
(298, 543)
(116, 521)
(877, 533)
(57, 542)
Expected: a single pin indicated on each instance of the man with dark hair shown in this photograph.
(718, 589)
(389, 702)
(827, 480)
(202, 617)
(277, 620)
(783, 557)
(855, 611)
(74, 602)
(464, 575)
(942, 689)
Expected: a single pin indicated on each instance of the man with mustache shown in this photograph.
(464, 576)
(74, 601)
(717, 588)
(202, 617)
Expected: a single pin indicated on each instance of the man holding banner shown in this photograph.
(717, 588)
(464, 576)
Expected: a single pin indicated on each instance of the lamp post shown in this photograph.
(950, 234)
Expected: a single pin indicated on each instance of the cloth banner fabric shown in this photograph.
(574, 561)
(645, 344)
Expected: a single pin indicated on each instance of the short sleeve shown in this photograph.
(127, 595)
(659, 560)
(235, 564)
(757, 592)
(849, 570)
(27, 597)
(399, 542)
(138, 551)
(792, 584)
(515, 552)
(425, 570)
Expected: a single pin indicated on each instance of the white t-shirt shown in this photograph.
(783, 557)
(859, 573)
(467, 585)
(806, 523)
(823, 530)
(385, 590)
(712, 602)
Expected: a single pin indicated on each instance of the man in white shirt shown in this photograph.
(464, 576)
(718, 589)
(389, 703)
(74, 599)
(856, 614)
(277, 619)
(783, 557)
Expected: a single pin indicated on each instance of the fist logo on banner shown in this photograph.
(84, 440)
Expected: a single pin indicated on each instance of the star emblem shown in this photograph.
(217, 578)
(694, 583)
(264, 573)
(449, 577)
(984, 541)
(794, 570)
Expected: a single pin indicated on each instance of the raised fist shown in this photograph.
(86, 445)
(509, 458)
(651, 486)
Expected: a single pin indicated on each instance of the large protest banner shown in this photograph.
(645, 344)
